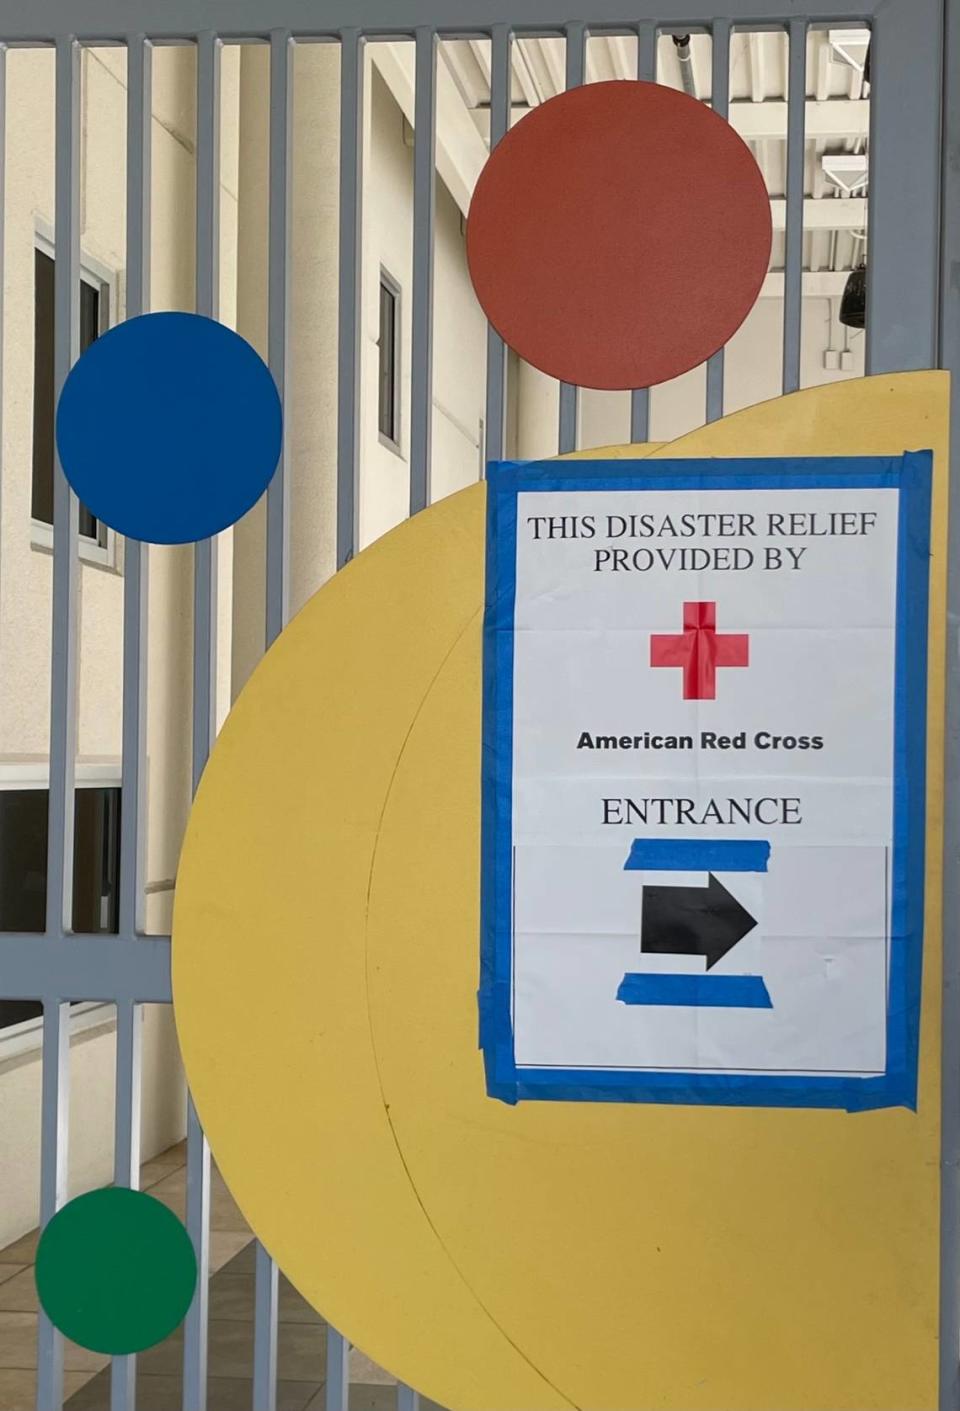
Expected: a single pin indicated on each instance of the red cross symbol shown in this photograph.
(699, 649)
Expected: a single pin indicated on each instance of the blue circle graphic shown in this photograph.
(169, 427)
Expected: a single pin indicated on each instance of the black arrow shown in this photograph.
(693, 921)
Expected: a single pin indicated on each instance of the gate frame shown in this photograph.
(913, 322)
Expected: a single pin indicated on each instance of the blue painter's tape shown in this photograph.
(704, 991)
(697, 855)
(911, 476)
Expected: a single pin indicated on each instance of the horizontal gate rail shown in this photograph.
(104, 21)
(116, 968)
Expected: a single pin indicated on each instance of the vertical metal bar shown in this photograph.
(139, 169)
(576, 53)
(204, 653)
(198, 1226)
(139, 154)
(126, 1164)
(208, 174)
(793, 255)
(407, 1398)
(424, 197)
(500, 62)
(55, 1101)
(266, 1307)
(63, 706)
(281, 135)
(576, 48)
(204, 695)
(646, 73)
(351, 271)
(720, 102)
(913, 322)
(336, 1391)
(903, 269)
(207, 303)
(265, 1333)
(55, 1098)
(647, 51)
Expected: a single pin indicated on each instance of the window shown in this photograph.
(23, 869)
(388, 343)
(93, 311)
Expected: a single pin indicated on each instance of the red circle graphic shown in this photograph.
(619, 234)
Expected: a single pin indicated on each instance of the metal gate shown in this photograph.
(913, 322)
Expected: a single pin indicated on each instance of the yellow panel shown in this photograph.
(638, 451)
(326, 949)
(269, 969)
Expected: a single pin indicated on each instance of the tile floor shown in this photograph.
(301, 1338)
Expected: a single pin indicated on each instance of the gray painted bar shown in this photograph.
(793, 258)
(500, 58)
(204, 679)
(424, 200)
(720, 102)
(126, 1166)
(351, 274)
(281, 144)
(336, 1392)
(576, 37)
(647, 73)
(37, 20)
(55, 1087)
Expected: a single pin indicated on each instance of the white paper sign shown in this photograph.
(703, 756)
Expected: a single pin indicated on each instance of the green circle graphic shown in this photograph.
(115, 1270)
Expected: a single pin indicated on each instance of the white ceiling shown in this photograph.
(837, 112)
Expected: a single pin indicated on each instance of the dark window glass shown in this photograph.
(23, 869)
(387, 343)
(42, 507)
(43, 385)
(89, 332)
